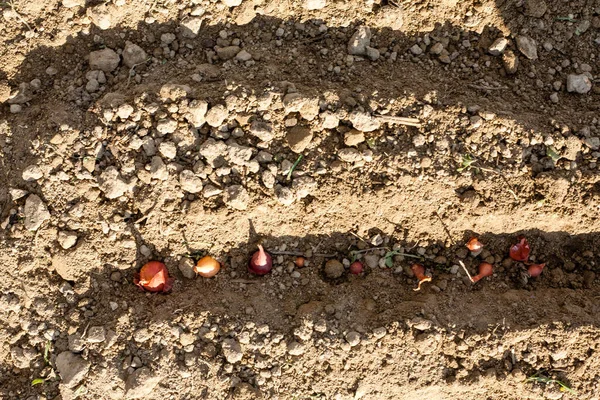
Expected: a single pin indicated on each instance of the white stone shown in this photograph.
(72, 368)
(35, 212)
(190, 182)
(32, 173)
(168, 150)
(359, 41)
(578, 83)
(315, 4)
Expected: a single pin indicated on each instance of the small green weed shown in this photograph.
(539, 377)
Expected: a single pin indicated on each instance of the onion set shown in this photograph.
(535, 270)
(419, 272)
(207, 267)
(356, 268)
(520, 251)
(485, 269)
(154, 277)
(475, 246)
(261, 262)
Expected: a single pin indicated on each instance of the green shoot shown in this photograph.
(371, 143)
(37, 381)
(289, 175)
(539, 378)
(467, 163)
(389, 257)
(550, 152)
(568, 19)
(47, 352)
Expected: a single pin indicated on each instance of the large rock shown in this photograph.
(363, 121)
(133, 55)
(578, 83)
(232, 350)
(190, 182)
(106, 60)
(141, 383)
(72, 368)
(36, 213)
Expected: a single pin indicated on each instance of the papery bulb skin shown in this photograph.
(261, 262)
(154, 277)
(419, 272)
(520, 251)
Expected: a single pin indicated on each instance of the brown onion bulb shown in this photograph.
(207, 267)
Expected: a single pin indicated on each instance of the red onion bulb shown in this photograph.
(261, 262)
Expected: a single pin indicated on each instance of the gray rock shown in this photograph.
(359, 41)
(190, 182)
(112, 184)
(232, 350)
(16, 194)
(186, 267)
(527, 46)
(333, 269)
(363, 121)
(158, 169)
(578, 83)
(268, 179)
(379, 333)
(36, 213)
(196, 113)
(262, 130)
(23, 95)
(416, 50)
(298, 138)
(216, 115)
(142, 335)
(497, 48)
(353, 338)
(236, 197)
(92, 86)
(106, 60)
(295, 349)
(67, 239)
(76, 343)
(593, 142)
(32, 173)
(190, 27)
(239, 155)
(133, 55)
(436, 48)
(420, 324)
(349, 154)
(72, 368)
(211, 191)
(372, 260)
(243, 56)
(141, 383)
(227, 53)
(212, 149)
(96, 334)
(372, 53)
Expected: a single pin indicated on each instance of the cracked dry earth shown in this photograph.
(384, 132)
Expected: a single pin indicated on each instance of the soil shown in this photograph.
(209, 127)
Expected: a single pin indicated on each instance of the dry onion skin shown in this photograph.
(207, 267)
(419, 272)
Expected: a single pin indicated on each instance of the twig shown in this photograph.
(132, 69)
(465, 268)
(488, 87)
(399, 120)
(359, 238)
(289, 175)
